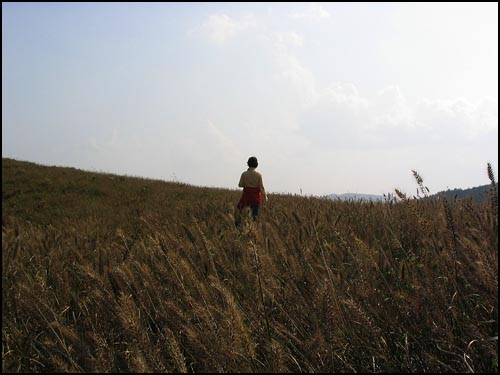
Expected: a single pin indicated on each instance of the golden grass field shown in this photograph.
(106, 273)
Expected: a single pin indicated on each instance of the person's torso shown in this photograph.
(251, 178)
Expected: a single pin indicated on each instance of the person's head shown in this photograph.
(252, 162)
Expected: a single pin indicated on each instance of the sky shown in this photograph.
(330, 97)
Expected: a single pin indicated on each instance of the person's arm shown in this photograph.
(241, 184)
(263, 191)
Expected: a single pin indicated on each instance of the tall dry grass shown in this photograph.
(104, 273)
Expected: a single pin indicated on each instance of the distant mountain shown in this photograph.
(356, 197)
(478, 193)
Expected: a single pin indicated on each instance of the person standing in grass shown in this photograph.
(253, 188)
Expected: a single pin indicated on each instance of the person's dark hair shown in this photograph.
(252, 162)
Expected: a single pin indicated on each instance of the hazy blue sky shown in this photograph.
(330, 97)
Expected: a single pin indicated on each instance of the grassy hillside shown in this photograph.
(104, 273)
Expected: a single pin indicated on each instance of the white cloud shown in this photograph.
(221, 28)
(458, 118)
(291, 39)
(262, 56)
(391, 109)
(345, 94)
(301, 81)
(341, 117)
(313, 11)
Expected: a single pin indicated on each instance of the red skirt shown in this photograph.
(251, 197)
